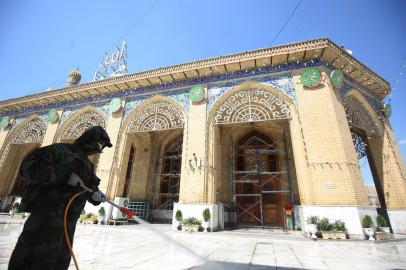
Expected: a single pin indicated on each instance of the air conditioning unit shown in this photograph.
(123, 202)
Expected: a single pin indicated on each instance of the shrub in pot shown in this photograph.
(339, 229)
(15, 211)
(367, 225)
(102, 215)
(325, 227)
(312, 226)
(206, 218)
(178, 219)
(191, 224)
(381, 222)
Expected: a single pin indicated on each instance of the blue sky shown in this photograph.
(42, 40)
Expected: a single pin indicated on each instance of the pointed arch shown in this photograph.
(78, 122)
(31, 131)
(250, 102)
(361, 115)
(155, 113)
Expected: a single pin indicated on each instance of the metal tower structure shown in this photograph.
(113, 63)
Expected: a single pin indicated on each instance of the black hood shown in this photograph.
(88, 141)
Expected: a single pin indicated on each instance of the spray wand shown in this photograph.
(123, 210)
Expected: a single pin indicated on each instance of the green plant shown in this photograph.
(16, 208)
(206, 214)
(381, 221)
(324, 225)
(312, 220)
(367, 221)
(191, 221)
(102, 212)
(89, 215)
(94, 219)
(178, 215)
(339, 225)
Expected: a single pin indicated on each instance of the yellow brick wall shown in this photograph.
(193, 183)
(335, 178)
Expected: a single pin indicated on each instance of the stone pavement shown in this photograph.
(136, 247)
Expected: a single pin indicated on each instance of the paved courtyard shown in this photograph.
(137, 247)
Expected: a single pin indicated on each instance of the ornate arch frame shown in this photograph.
(78, 122)
(276, 104)
(129, 126)
(361, 115)
(154, 114)
(250, 102)
(23, 133)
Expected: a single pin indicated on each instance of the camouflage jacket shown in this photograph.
(48, 170)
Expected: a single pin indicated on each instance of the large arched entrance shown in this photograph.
(366, 131)
(149, 158)
(259, 195)
(252, 153)
(23, 139)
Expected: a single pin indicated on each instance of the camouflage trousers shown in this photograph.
(42, 245)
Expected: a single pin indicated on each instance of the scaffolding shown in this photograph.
(260, 181)
(165, 170)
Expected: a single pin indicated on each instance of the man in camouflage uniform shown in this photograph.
(54, 174)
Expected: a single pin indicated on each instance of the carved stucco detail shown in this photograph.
(31, 132)
(251, 106)
(81, 123)
(156, 116)
(359, 117)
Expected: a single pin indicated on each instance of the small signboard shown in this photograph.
(310, 77)
(196, 93)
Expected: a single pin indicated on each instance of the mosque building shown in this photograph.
(250, 136)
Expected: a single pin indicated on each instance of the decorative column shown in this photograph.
(337, 190)
(193, 197)
(390, 169)
(113, 123)
(53, 119)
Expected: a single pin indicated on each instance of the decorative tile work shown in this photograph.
(375, 103)
(283, 83)
(180, 96)
(20, 119)
(102, 107)
(168, 86)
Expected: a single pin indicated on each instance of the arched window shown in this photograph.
(129, 171)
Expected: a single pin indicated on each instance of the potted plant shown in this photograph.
(325, 227)
(178, 219)
(381, 222)
(102, 215)
(382, 231)
(339, 229)
(367, 225)
(15, 211)
(191, 224)
(312, 226)
(206, 218)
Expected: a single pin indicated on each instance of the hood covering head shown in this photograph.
(93, 140)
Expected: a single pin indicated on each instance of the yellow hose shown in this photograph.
(65, 227)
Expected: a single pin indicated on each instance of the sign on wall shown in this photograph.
(310, 77)
(196, 93)
(115, 105)
(53, 116)
(5, 121)
(336, 78)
